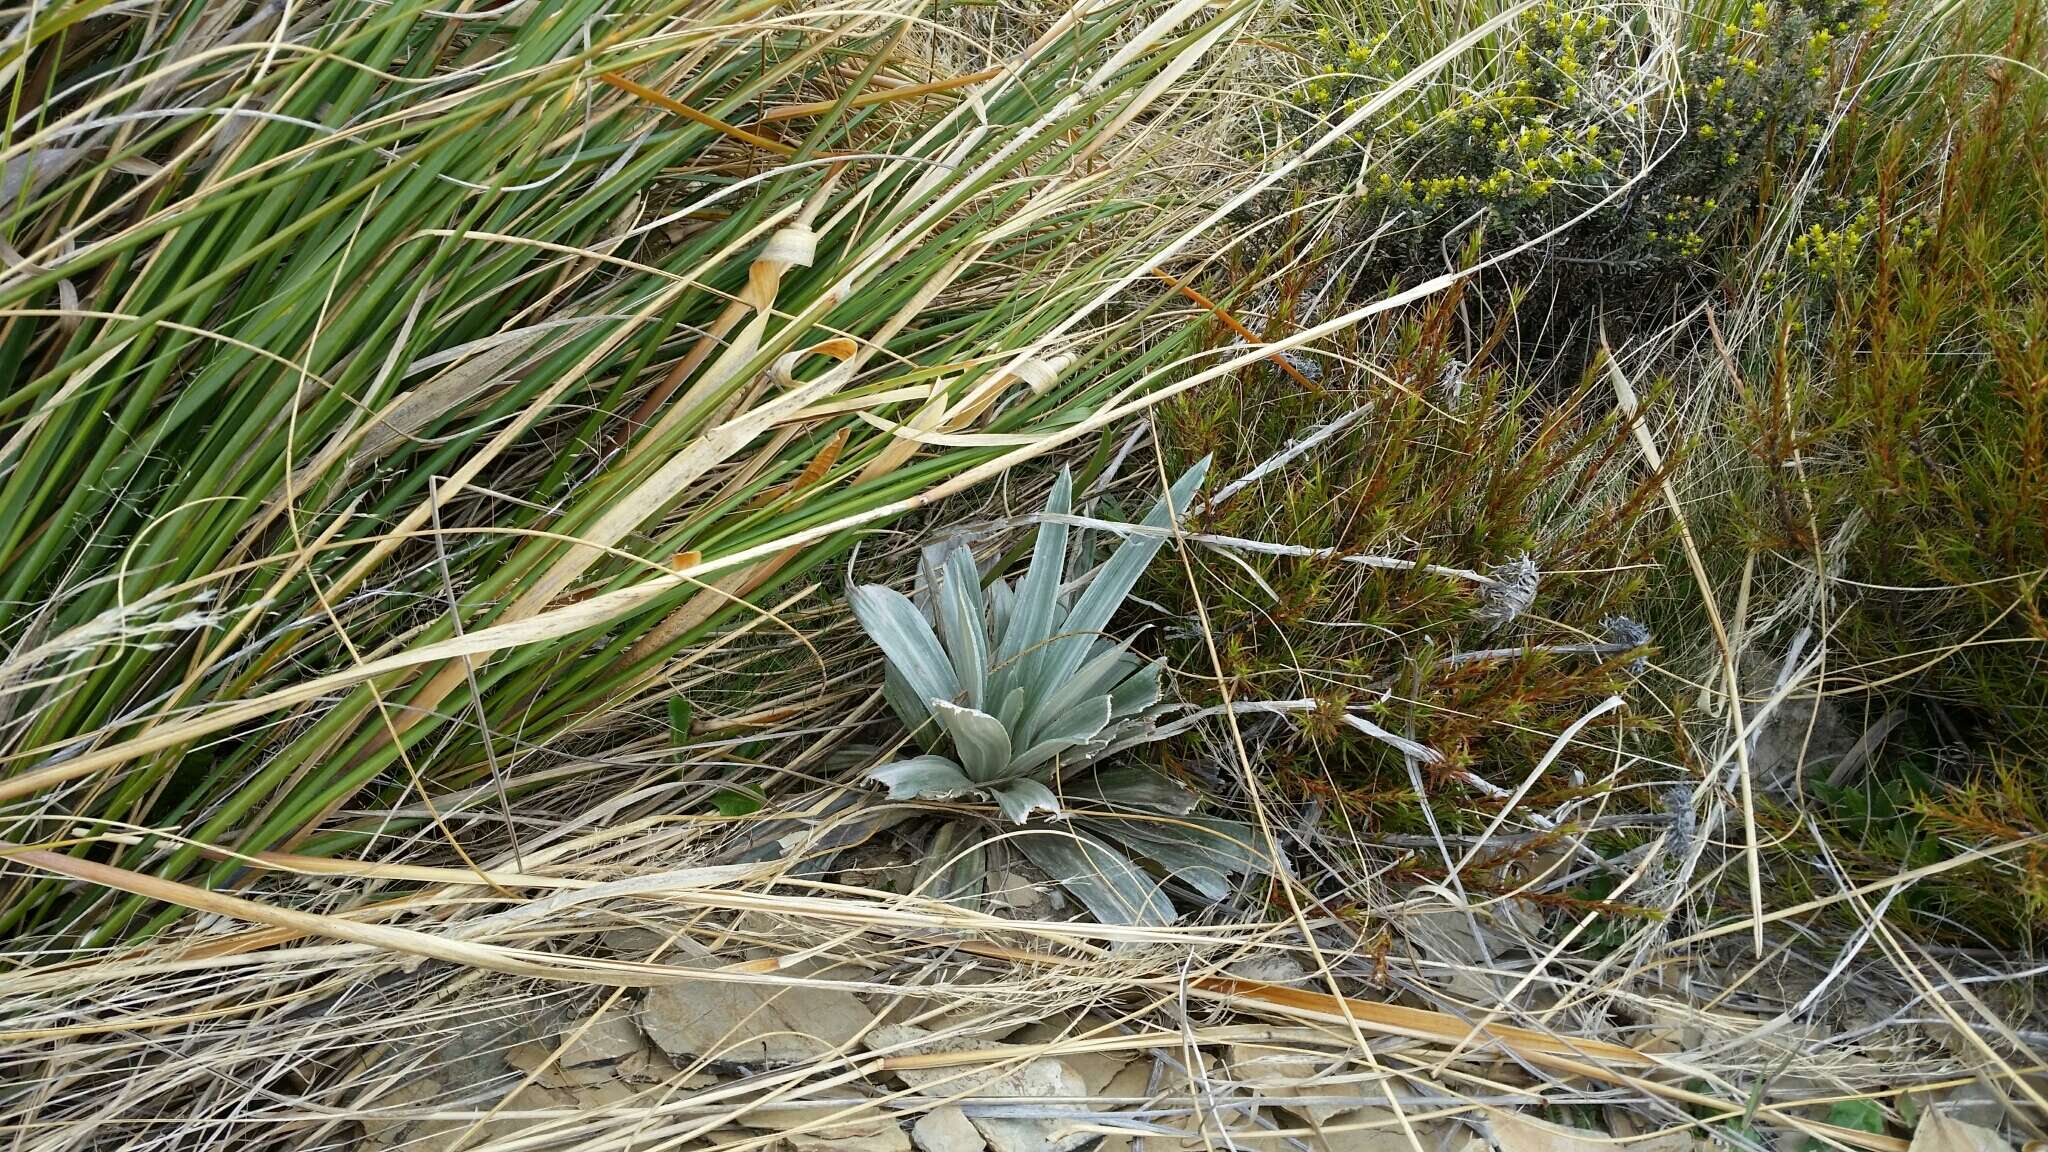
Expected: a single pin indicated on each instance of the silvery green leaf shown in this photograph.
(907, 640)
(1020, 798)
(1113, 888)
(1000, 602)
(922, 778)
(1123, 735)
(1032, 616)
(951, 872)
(1098, 676)
(1225, 845)
(979, 738)
(1105, 593)
(1011, 709)
(1134, 786)
(1077, 725)
(1138, 692)
(907, 706)
(1182, 863)
(961, 627)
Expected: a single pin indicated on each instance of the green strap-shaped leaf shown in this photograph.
(1058, 659)
(1097, 677)
(923, 778)
(952, 870)
(907, 640)
(961, 624)
(1138, 692)
(1184, 861)
(1012, 709)
(979, 738)
(1113, 888)
(1001, 599)
(1033, 615)
(1020, 798)
(908, 706)
(1076, 726)
(1196, 850)
(1135, 786)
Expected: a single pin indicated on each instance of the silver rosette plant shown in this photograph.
(1016, 695)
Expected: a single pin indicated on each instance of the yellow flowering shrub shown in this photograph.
(1573, 139)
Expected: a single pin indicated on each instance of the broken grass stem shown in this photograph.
(1292, 551)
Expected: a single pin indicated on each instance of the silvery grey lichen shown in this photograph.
(1512, 591)
(1628, 633)
(1015, 695)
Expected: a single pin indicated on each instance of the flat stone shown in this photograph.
(822, 1117)
(1097, 1069)
(952, 1080)
(1132, 1082)
(1015, 893)
(652, 1066)
(1315, 1087)
(607, 1094)
(1976, 1104)
(946, 1130)
(1349, 1135)
(1044, 1078)
(638, 944)
(409, 1095)
(890, 1139)
(1196, 1131)
(752, 1024)
(1939, 1133)
(610, 1037)
(953, 1009)
(531, 1098)
(1513, 1132)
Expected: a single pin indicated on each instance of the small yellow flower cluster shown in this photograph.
(1365, 54)
(1560, 119)
(1834, 252)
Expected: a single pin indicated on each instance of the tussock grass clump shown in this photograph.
(393, 395)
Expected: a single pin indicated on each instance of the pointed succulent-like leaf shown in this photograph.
(1077, 725)
(1099, 675)
(1225, 845)
(909, 708)
(923, 778)
(1033, 615)
(1112, 582)
(961, 626)
(1001, 599)
(1137, 693)
(904, 636)
(1179, 863)
(1135, 786)
(1114, 889)
(1011, 709)
(1020, 798)
(952, 870)
(978, 738)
